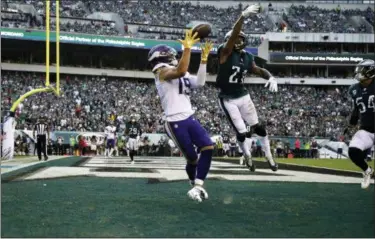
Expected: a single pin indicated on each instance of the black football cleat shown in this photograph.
(250, 164)
(272, 164)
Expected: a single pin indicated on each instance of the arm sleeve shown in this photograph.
(354, 116)
(200, 79)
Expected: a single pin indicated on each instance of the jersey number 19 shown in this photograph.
(184, 86)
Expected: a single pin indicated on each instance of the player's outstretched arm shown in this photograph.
(265, 74)
(200, 79)
(227, 50)
(182, 67)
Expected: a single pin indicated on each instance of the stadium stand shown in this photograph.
(158, 19)
(85, 105)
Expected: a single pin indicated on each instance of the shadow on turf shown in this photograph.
(303, 168)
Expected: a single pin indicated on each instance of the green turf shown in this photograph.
(22, 156)
(112, 207)
(343, 164)
(68, 161)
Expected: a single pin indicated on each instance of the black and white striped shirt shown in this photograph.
(41, 128)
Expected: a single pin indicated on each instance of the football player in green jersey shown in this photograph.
(234, 98)
(133, 131)
(362, 94)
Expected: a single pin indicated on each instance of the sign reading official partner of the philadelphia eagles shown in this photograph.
(98, 40)
(346, 58)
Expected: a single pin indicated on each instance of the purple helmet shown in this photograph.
(162, 54)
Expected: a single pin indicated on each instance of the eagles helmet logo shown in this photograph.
(241, 42)
(365, 70)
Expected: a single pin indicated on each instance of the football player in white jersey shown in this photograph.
(110, 134)
(173, 84)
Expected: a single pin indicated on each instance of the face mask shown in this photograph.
(174, 62)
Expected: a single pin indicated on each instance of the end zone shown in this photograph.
(168, 169)
(22, 168)
(298, 167)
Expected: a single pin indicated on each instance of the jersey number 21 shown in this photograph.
(237, 76)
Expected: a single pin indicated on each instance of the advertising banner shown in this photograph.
(319, 58)
(8, 138)
(96, 40)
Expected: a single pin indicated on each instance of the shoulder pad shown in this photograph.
(159, 66)
(353, 89)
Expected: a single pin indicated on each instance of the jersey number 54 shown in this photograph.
(362, 106)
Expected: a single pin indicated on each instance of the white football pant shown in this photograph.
(362, 140)
(238, 111)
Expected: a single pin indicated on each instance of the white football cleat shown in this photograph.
(367, 179)
(197, 193)
(132, 162)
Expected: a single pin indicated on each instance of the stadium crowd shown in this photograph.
(314, 19)
(153, 14)
(88, 102)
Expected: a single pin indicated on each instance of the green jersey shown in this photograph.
(231, 74)
(363, 102)
(133, 129)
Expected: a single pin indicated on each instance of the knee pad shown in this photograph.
(356, 154)
(241, 137)
(259, 130)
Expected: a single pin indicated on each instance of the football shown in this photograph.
(204, 30)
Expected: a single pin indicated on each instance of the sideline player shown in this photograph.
(226, 145)
(234, 98)
(362, 94)
(110, 134)
(174, 84)
(133, 131)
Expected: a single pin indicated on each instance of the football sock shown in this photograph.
(358, 158)
(265, 142)
(111, 152)
(131, 155)
(203, 165)
(245, 149)
(191, 170)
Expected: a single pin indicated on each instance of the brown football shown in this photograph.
(203, 30)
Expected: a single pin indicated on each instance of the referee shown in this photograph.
(42, 133)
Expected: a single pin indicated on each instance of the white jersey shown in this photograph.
(110, 132)
(175, 95)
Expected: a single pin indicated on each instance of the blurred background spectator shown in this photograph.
(87, 102)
